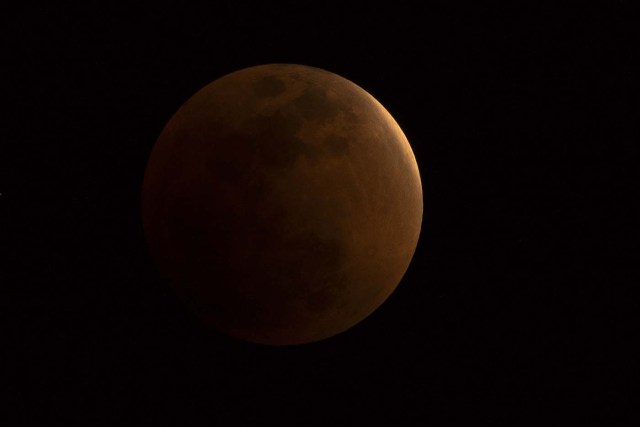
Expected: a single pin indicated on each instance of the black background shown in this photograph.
(518, 301)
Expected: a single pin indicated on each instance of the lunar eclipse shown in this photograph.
(283, 203)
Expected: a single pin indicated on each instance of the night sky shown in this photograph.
(518, 301)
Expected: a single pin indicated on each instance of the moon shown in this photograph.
(283, 203)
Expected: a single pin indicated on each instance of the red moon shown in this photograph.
(283, 203)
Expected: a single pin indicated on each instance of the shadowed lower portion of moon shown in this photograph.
(283, 202)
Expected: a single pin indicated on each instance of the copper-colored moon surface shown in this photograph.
(283, 202)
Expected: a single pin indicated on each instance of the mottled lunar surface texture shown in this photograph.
(284, 204)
